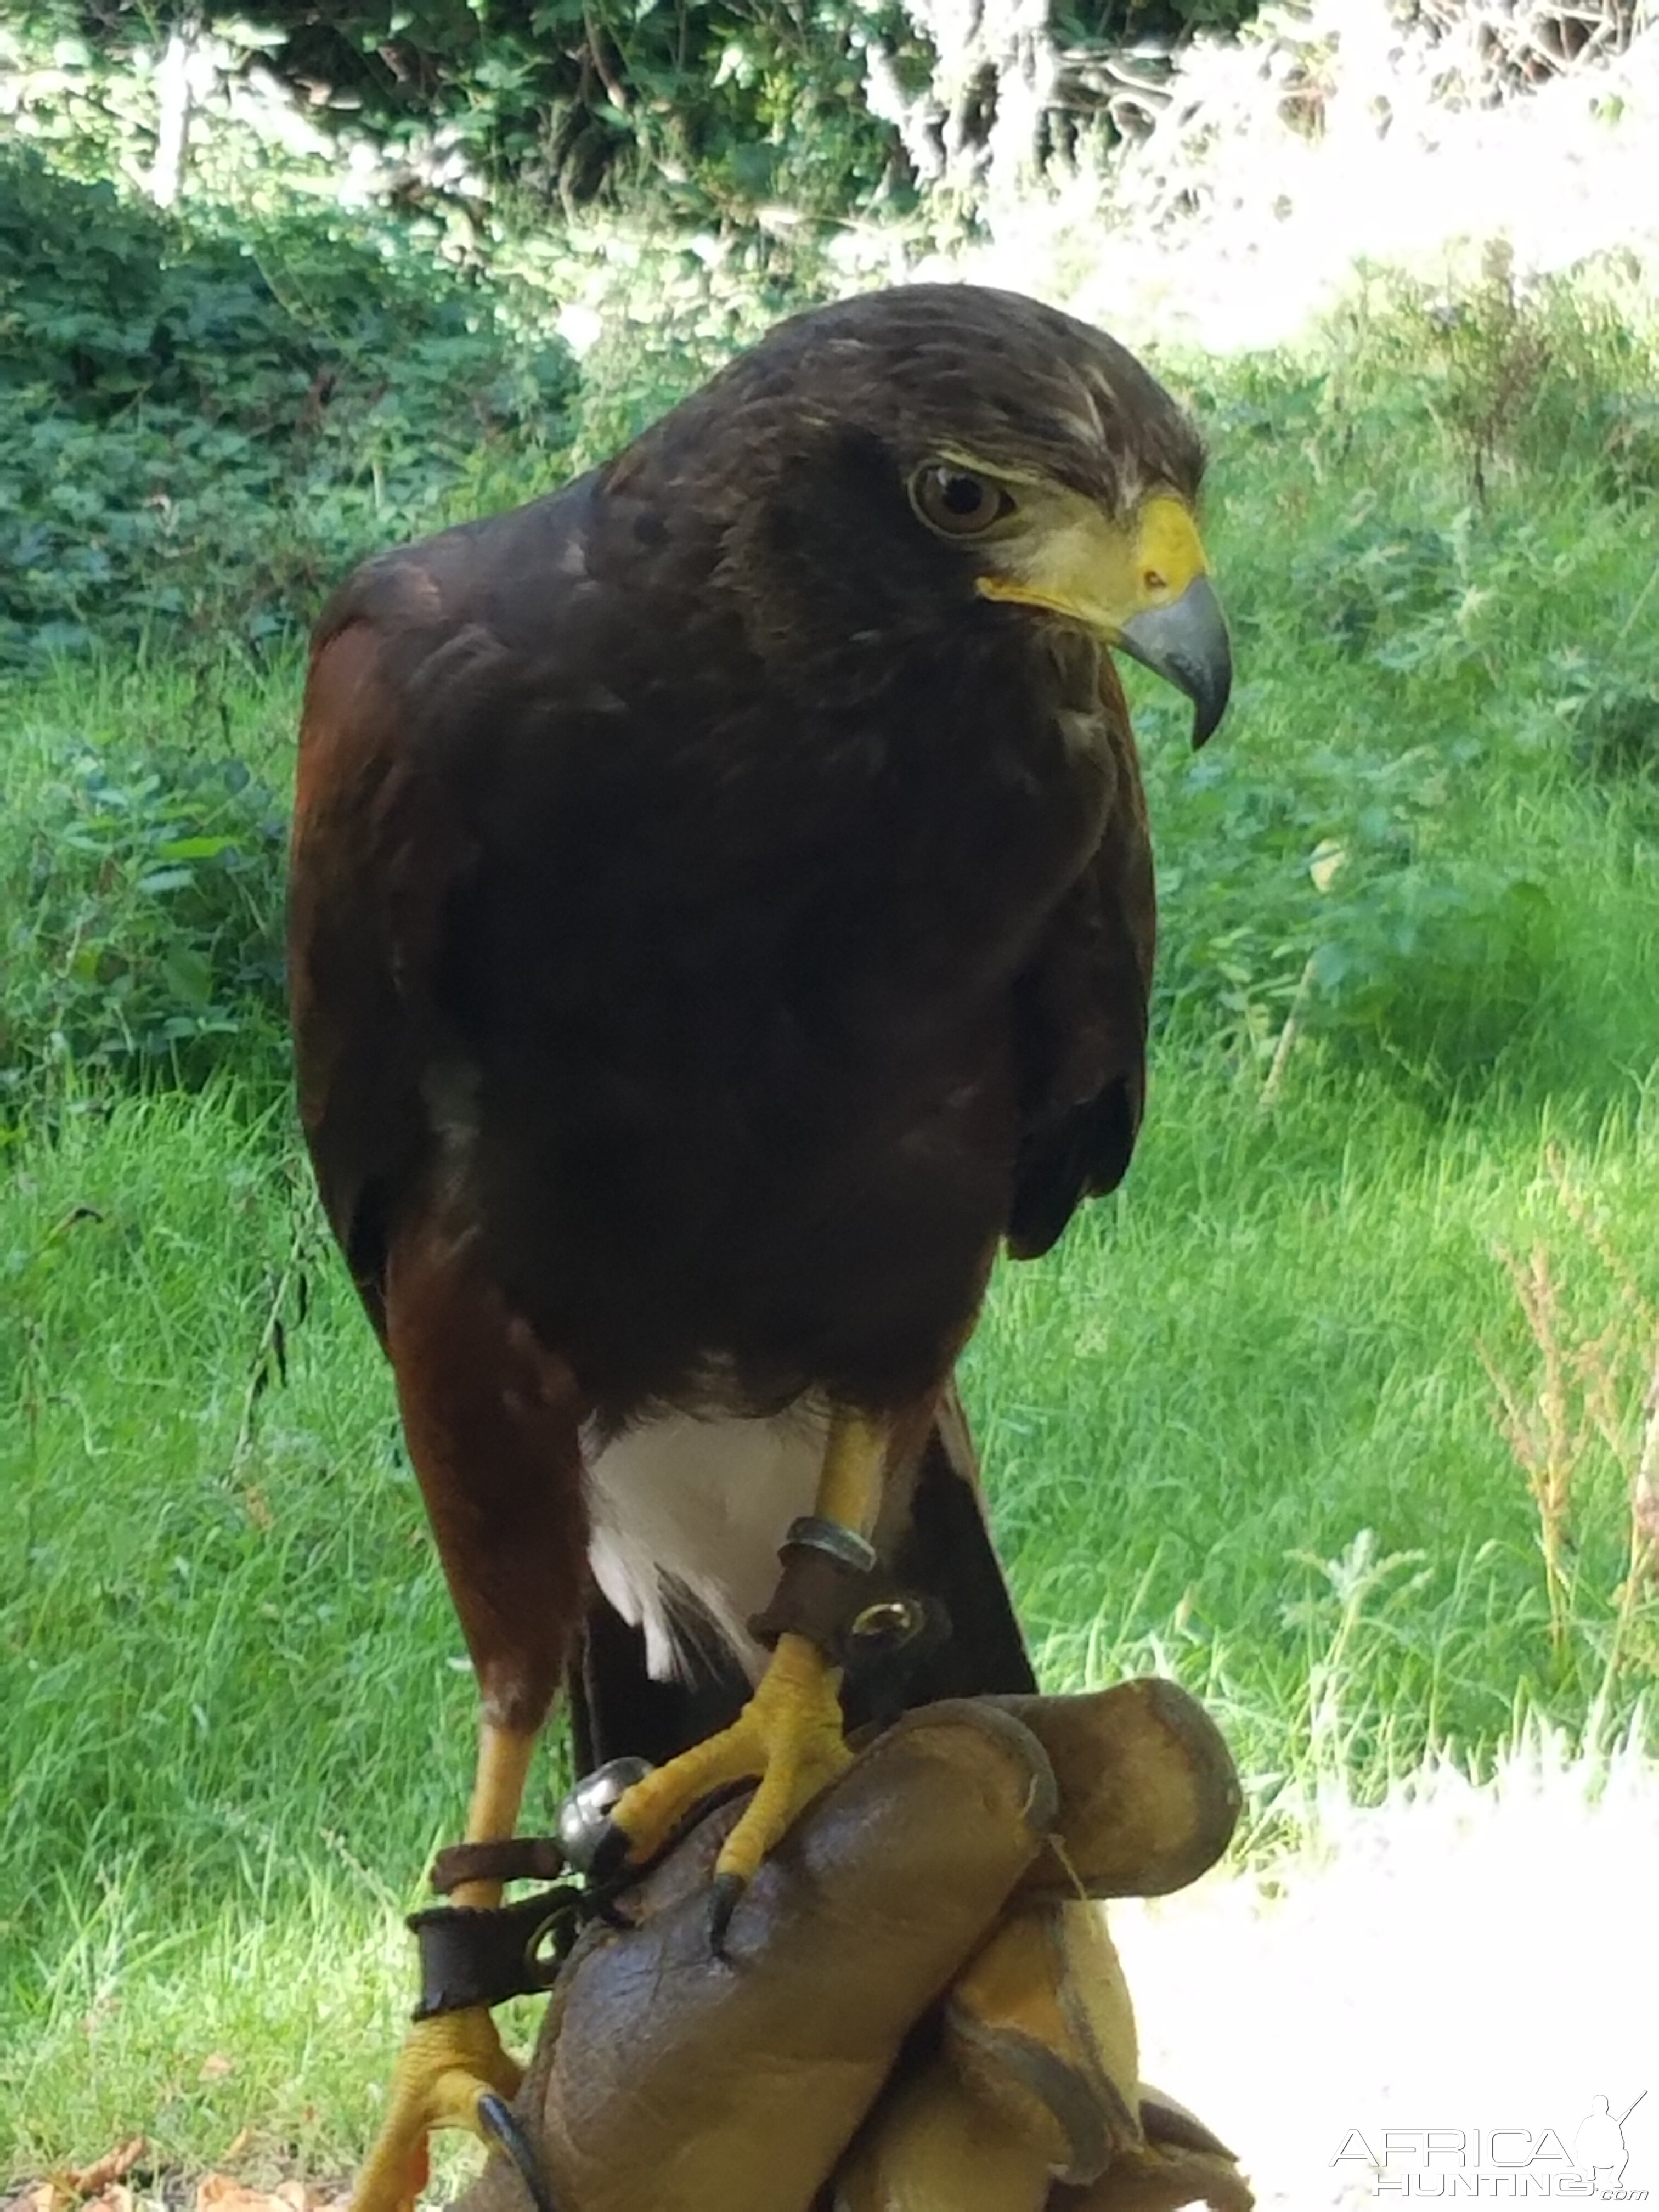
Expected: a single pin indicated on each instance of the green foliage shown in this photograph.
(714, 103)
(202, 431)
(708, 106)
(1536, 378)
(1613, 716)
(1378, 585)
(1439, 969)
(711, 108)
(142, 829)
(141, 931)
(676, 317)
(1435, 791)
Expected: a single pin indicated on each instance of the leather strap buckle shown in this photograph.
(510, 1858)
(824, 1575)
(483, 1955)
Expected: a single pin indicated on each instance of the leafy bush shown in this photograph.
(1376, 583)
(1398, 906)
(712, 109)
(1438, 969)
(1613, 716)
(715, 106)
(1540, 378)
(1305, 882)
(202, 431)
(1438, 786)
(141, 892)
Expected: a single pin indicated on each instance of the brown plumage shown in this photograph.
(722, 914)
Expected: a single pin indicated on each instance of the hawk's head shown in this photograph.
(941, 446)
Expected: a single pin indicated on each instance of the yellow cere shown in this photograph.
(1073, 560)
(1167, 547)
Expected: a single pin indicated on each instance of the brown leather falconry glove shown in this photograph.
(917, 2010)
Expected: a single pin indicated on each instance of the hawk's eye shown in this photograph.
(954, 502)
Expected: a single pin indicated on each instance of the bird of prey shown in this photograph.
(721, 917)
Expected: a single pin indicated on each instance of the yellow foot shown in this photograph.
(446, 2064)
(789, 1734)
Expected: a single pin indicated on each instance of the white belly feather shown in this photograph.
(687, 1516)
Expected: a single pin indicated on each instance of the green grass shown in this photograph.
(1267, 1349)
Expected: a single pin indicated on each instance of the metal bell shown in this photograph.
(585, 1816)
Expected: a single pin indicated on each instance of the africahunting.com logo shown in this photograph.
(1501, 2162)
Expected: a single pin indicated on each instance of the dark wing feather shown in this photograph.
(411, 663)
(357, 1057)
(1082, 1015)
(380, 853)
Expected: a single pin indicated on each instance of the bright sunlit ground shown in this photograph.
(1456, 1964)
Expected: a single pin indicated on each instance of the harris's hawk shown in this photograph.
(723, 916)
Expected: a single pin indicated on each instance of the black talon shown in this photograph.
(607, 1853)
(501, 2122)
(725, 1894)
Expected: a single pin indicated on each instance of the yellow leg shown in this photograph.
(854, 1465)
(497, 1793)
(789, 1734)
(447, 2063)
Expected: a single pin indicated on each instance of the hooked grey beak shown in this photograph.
(1187, 644)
